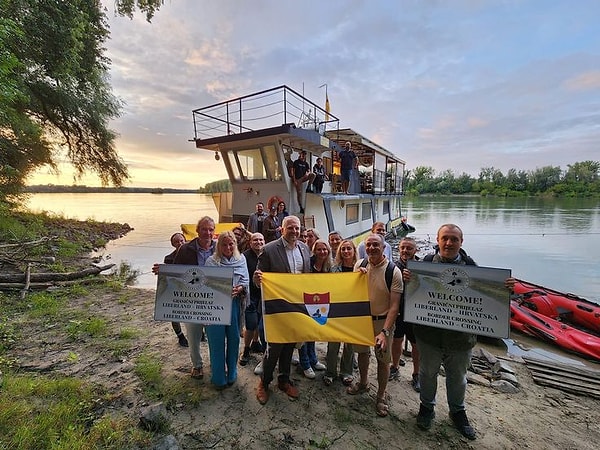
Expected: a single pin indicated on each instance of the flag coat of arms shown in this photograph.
(324, 307)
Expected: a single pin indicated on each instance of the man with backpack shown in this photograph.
(385, 288)
(451, 348)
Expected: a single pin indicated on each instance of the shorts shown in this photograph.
(345, 175)
(386, 356)
(404, 329)
(252, 316)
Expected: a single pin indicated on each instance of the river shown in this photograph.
(551, 242)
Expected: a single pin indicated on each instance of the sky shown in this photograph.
(450, 84)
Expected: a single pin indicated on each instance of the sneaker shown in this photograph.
(289, 389)
(258, 370)
(319, 366)
(309, 373)
(183, 342)
(425, 418)
(416, 385)
(262, 393)
(461, 422)
(245, 358)
(295, 360)
(394, 373)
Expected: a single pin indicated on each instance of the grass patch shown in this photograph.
(61, 413)
(92, 327)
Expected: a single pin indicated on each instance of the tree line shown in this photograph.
(581, 179)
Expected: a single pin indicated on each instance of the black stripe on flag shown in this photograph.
(350, 309)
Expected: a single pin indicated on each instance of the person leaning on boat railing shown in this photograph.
(451, 348)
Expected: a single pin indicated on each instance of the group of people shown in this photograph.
(300, 173)
(299, 250)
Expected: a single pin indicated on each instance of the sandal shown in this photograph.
(347, 380)
(328, 380)
(357, 388)
(381, 407)
(197, 373)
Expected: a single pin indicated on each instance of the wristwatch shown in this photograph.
(385, 332)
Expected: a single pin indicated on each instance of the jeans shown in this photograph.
(224, 347)
(308, 355)
(455, 363)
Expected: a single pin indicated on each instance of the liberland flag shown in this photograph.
(327, 109)
(324, 307)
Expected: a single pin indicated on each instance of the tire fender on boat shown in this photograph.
(274, 201)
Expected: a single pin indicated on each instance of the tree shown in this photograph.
(58, 101)
(148, 7)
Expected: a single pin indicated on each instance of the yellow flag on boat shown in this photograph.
(324, 307)
(327, 109)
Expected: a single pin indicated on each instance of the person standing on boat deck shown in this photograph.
(255, 220)
(195, 253)
(385, 304)
(224, 340)
(407, 249)
(177, 240)
(253, 337)
(377, 228)
(320, 176)
(285, 255)
(272, 226)
(302, 173)
(451, 348)
(348, 162)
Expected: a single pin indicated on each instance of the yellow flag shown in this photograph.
(324, 307)
(326, 107)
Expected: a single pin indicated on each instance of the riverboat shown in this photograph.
(258, 136)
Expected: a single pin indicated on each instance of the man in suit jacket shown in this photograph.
(286, 255)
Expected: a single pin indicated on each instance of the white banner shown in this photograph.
(196, 294)
(457, 297)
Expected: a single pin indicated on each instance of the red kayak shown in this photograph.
(556, 305)
(536, 324)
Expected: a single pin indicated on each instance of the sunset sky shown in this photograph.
(455, 85)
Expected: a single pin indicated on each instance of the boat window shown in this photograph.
(366, 211)
(251, 164)
(231, 162)
(386, 207)
(351, 213)
(272, 163)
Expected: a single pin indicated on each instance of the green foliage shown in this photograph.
(60, 413)
(148, 368)
(216, 186)
(148, 7)
(55, 91)
(581, 179)
(93, 327)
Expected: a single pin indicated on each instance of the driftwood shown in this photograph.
(52, 277)
(577, 380)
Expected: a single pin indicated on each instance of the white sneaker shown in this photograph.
(309, 373)
(258, 370)
(295, 360)
(319, 366)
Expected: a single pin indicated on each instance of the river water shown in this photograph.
(551, 242)
(554, 242)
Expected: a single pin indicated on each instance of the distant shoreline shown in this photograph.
(56, 189)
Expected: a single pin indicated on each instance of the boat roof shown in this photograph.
(278, 113)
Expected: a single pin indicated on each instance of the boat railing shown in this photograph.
(265, 109)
